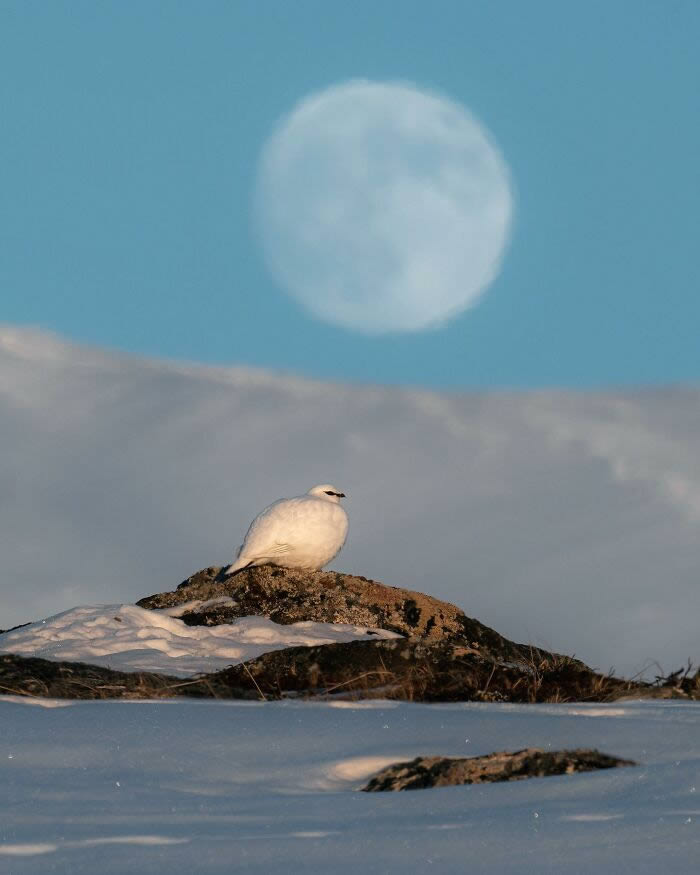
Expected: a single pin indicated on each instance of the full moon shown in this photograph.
(382, 207)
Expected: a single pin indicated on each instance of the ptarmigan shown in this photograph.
(303, 532)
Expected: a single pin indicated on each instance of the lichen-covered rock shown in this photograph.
(289, 596)
(415, 670)
(423, 772)
(444, 656)
(31, 676)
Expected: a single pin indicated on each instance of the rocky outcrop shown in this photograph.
(46, 678)
(423, 772)
(289, 596)
(415, 670)
(443, 654)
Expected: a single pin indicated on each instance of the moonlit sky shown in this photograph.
(131, 136)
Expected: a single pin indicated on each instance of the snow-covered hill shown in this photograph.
(569, 520)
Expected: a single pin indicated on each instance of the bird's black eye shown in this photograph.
(328, 492)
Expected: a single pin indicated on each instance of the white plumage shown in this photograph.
(303, 532)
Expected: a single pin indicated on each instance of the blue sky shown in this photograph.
(131, 135)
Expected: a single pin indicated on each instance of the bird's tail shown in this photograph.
(238, 565)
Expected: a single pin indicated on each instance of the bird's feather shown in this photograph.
(278, 549)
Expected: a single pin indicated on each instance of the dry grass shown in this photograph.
(400, 671)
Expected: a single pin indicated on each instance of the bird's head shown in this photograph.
(327, 493)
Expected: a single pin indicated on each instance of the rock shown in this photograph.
(444, 656)
(415, 670)
(290, 596)
(532, 762)
(30, 676)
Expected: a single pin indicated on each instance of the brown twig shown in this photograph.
(262, 695)
(20, 692)
(493, 671)
(352, 680)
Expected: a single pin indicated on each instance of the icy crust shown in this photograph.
(226, 787)
(126, 637)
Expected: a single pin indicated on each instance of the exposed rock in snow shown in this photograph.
(532, 762)
(290, 596)
(296, 633)
(129, 638)
(418, 671)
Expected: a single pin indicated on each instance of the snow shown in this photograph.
(129, 638)
(216, 787)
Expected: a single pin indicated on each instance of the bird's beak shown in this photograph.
(341, 495)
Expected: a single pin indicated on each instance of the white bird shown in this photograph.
(303, 532)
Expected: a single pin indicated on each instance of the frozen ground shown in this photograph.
(166, 787)
(129, 638)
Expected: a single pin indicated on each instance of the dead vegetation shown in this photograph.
(43, 678)
(409, 671)
(397, 669)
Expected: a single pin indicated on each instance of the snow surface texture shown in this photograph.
(219, 787)
(129, 638)
(306, 531)
(564, 519)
